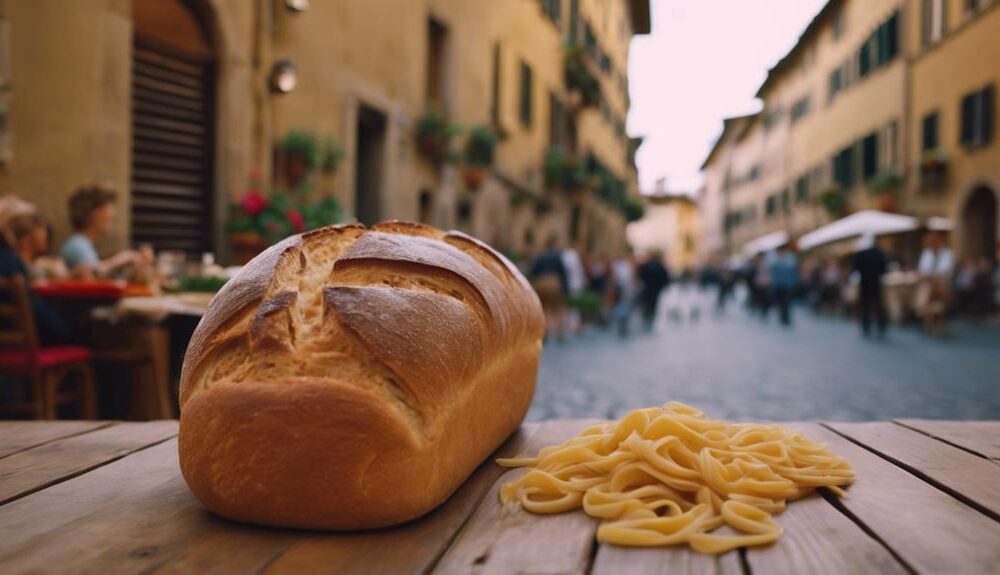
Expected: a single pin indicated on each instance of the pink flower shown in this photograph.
(253, 203)
(295, 218)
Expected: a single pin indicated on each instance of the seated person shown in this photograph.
(91, 211)
(26, 238)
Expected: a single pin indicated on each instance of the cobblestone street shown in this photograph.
(737, 367)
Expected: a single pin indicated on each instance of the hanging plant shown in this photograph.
(434, 134)
(579, 78)
(832, 200)
(479, 149)
(633, 209)
(885, 182)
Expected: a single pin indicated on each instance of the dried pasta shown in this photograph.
(670, 475)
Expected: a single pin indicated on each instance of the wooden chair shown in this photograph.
(43, 367)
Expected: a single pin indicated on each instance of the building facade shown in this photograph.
(670, 226)
(843, 120)
(181, 105)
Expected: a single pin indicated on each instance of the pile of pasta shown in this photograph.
(670, 475)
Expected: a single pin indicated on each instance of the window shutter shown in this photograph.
(988, 103)
(968, 126)
(892, 37)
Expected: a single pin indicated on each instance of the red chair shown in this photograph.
(43, 367)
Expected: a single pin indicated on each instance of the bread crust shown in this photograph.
(351, 378)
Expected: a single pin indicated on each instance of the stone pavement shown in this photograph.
(736, 367)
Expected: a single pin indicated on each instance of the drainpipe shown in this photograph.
(263, 114)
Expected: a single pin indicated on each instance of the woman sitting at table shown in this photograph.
(91, 211)
(25, 239)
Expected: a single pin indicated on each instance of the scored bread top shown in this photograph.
(403, 309)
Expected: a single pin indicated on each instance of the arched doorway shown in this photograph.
(979, 224)
(173, 97)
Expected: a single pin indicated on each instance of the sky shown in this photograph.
(703, 62)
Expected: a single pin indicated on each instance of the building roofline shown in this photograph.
(639, 13)
(728, 124)
(808, 34)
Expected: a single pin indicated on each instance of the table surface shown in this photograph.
(105, 497)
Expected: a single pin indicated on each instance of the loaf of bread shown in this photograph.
(350, 378)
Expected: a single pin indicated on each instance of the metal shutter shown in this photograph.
(171, 151)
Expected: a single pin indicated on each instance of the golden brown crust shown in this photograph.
(351, 379)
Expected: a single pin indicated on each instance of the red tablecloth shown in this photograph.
(81, 290)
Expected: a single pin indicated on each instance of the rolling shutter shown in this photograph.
(172, 149)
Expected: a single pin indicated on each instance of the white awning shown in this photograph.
(939, 224)
(864, 222)
(765, 243)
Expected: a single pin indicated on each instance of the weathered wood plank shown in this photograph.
(20, 435)
(612, 559)
(501, 538)
(819, 539)
(410, 548)
(33, 469)
(133, 515)
(973, 478)
(982, 437)
(930, 530)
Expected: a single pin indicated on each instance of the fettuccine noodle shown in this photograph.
(670, 475)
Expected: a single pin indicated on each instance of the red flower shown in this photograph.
(253, 203)
(295, 218)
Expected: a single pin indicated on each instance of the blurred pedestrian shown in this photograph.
(871, 263)
(759, 282)
(623, 293)
(937, 263)
(599, 282)
(653, 278)
(783, 272)
(576, 282)
(549, 278)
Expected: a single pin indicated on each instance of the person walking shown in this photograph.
(654, 278)
(935, 269)
(871, 263)
(783, 270)
(549, 278)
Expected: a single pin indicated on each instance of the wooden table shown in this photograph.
(103, 497)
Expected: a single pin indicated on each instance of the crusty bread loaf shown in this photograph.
(351, 378)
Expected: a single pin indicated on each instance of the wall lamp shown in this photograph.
(297, 5)
(284, 77)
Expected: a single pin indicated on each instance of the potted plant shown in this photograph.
(479, 149)
(564, 170)
(298, 155)
(933, 168)
(832, 200)
(257, 221)
(884, 187)
(434, 133)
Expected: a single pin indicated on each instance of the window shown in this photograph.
(887, 40)
(495, 92)
(437, 40)
(865, 59)
(838, 24)
(802, 189)
(557, 122)
(973, 6)
(800, 109)
(771, 205)
(977, 118)
(553, 11)
(836, 82)
(574, 21)
(526, 94)
(869, 156)
(929, 139)
(933, 24)
(843, 168)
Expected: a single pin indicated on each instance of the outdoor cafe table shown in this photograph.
(105, 497)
